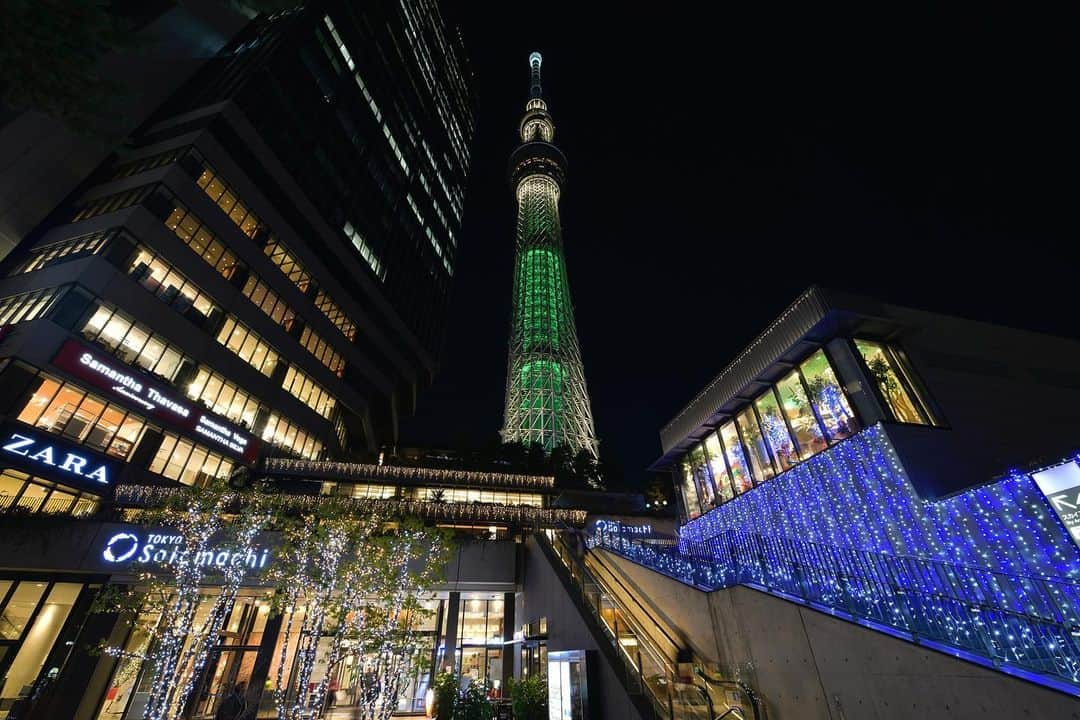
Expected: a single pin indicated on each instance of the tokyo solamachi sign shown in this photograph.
(1061, 487)
(140, 547)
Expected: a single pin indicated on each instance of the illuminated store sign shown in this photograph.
(43, 452)
(132, 385)
(139, 547)
(1061, 486)
(614, 526)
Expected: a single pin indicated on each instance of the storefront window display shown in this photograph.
(892, 382)
(25, 493)
(702, 478)
(32, 614)
(828, 398)
(755, 445)
(718, 466)
(480, 641)
(775, 429)
(740, 469)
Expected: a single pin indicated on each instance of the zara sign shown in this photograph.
(63, 461)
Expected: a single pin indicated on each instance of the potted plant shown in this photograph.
(528, 698)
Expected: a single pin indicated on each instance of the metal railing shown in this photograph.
(643, 668)
(1026, 626)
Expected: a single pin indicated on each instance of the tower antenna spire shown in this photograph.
(534, 62)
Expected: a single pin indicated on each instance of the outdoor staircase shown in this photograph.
(643, 657)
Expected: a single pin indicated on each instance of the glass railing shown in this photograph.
(683, 691)
(1026, 626)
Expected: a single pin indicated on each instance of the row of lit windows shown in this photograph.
(805, 412)
(248, 346)
(433, 494)
(189, 463)
(287, 264)
(189, 228)
(133, 343)
(249, 223)
(150, 162)
(322, 351)
(28, 306)
(112, 203)
(358, 242)
(223, 397)
(226, 199)
(800, 416)
(169, 285)
(308, 392)
(257, 291)
(336, 315)
(284, 434)
(65, 409)
(25, 493)
(70, 249)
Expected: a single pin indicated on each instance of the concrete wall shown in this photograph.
(543, 595)
(810, 666)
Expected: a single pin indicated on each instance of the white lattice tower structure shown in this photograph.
(546, 398)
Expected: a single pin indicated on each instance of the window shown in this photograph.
(308, 392)
(740, 470)
(286, 263)
(715, 453)
(284, 434)
(358, 241)
(186, 462)
(65, 409)
(804, 424)
(248, 346)
(134, 167)
(223, 397)
(112, 203)
(322, 351)
(893, 382)
(225, 197)
(776, 430)
(133, 343)
(689, 492)
(339, 42)
(828, 398)
(204, 243)
(335, 314)
(29, 494)
(480, 637)
(702, 479)
(754, 442)
(65, 250)
(268, 301)
(160, 278)
(28, 306)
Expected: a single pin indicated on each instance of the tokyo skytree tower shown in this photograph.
(546, 398)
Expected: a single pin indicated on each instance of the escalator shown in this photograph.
(661, 676)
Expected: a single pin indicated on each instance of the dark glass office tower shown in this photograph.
(261, 269)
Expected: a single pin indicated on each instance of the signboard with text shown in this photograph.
(56, 459)
(157, 400)
(1061, 486)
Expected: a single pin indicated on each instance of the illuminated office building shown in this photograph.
(259, 270)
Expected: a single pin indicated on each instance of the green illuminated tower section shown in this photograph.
(546, 398)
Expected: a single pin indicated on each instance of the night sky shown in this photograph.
(719, 165)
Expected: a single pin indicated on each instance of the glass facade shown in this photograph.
(32, 614)
(308, 392)
(322, 351)
(223, 397)
(28, 306)
(258, 292)
(189, 228)
(65, 409)
(802, 414)
(480, 639)
(189, 463)
(336, 315)
(24, 493)
(64, 250)
(894, 382)
(160, 278)
(248, 346)
(133, 343)
(285, 434)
